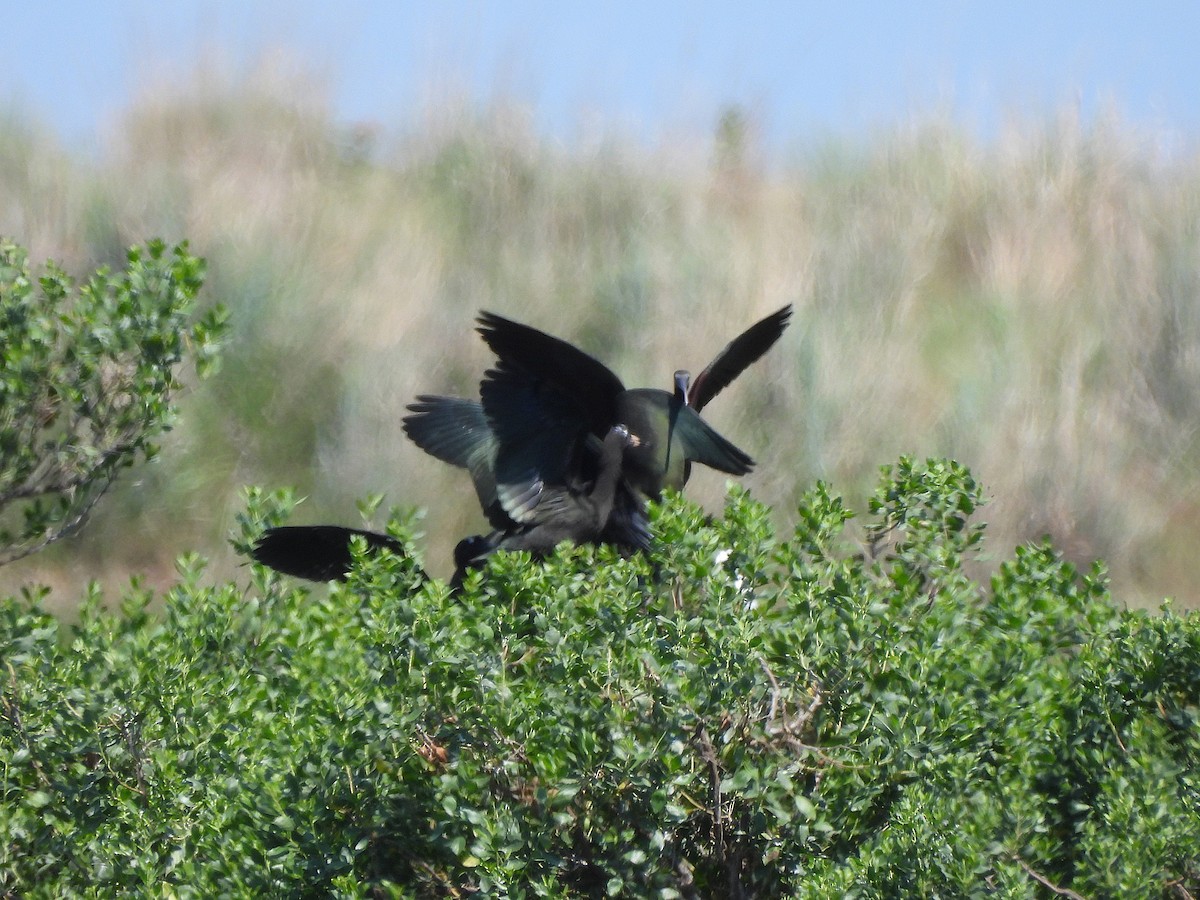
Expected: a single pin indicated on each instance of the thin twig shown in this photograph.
(709, 755)
(1046, 882)
(65, 530)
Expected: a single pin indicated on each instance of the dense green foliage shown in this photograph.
(86, 381)
(739, 715)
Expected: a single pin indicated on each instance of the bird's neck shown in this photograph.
(605, 487)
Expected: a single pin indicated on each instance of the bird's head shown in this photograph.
(683, 383)
(627, 437)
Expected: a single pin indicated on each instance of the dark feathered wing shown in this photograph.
(550, 361)
(543, 400)
(540, 432)
(457, 432)
(451, 429)
(737, 355)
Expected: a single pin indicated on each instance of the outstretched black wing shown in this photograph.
(551, 361)
(451, 429)
(457, 432)
(544, 400)
(737, 355)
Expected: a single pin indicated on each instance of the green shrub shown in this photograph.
(86, 381)
(738, 715)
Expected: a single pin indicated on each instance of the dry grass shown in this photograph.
(1031, 307)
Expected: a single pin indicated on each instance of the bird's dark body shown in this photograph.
(557, 449)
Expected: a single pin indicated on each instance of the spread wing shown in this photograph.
(542, 400)
(540, 437)
(589, 384)
(457, 432)
(737, 355)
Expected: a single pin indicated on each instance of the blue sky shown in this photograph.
(806, 70)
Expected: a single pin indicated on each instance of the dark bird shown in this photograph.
(458, 432)
(576, 513)
(533, 448)
(545, 399)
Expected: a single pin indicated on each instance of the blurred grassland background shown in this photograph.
(1029, 305)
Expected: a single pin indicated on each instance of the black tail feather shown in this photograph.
(316, 552)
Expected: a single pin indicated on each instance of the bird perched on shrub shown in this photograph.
(557, 449)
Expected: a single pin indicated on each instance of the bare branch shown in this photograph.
(1046, 882)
